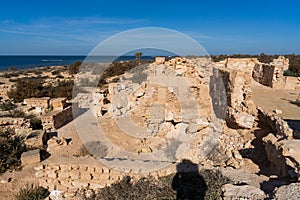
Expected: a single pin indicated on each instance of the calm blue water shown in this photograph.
(24, 62)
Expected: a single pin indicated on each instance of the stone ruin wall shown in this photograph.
(58, 118)
(281, 145)
(20, 125)
(263, 74)
(268, 74)
(63, 117)
(42, 103)
(73, 176)
(240, 113)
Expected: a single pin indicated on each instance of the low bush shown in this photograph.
(11, 148)
(119, 68)
(74, 68)
(189, 185)
(34, 87)
(32, 192)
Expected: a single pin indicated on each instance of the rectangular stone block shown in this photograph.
(39, 174)
(30, 157)
(65, 168)
(62, 188)
(94, 185)
(85, 176)
(63, 175)
(80, 184)
(66, 183)
(75, 175)
(52, 174)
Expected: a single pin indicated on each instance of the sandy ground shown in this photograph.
(270, 99)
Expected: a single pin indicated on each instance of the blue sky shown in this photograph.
(222, 27)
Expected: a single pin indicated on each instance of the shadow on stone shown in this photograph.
(187, 182)
(258, 154)
(295, 125)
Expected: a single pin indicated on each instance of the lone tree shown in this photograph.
(138, 55)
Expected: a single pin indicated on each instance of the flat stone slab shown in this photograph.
(31, 157)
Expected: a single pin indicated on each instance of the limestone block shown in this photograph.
(83, 168)
(55, 167)
(89, 194)
(39, 174)
(80, 184)
(85, 175)
(91, 169)
(30, 157)
(74, 167)
(242, 192)
(65, 168)
(39, 167)
(93, 184)
(69, 195)
(62, 187)
(43, 182)
(104, 177)
(75, 175)
(63, 174)
(52, 174)
(168, 115)
(291, 191)
(66, 183)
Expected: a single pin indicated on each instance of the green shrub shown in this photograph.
(289, 73)
(119, 68)
(144, 188)
(55, 72)
(64, 88)
(11, 148)
(32, 192)
(26, 88)
(6, 75)
(191, 185)
(12, 68)
(60, 76)
(18, 113)
(74, 68)
(214, 181)
(36, 123)
(37, 72)
(33, 87)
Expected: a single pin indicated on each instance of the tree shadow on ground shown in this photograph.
(187, 182)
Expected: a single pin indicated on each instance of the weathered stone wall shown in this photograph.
(160, 60)
(263, 74)
(57, 118)
(58, 103)
(62, 117)
(280, 146)
(292, 83)
(271, 74)
(280, 127)
(280, 65)
(73, 174)
(38, 102)
(241, 110)
(20, 125)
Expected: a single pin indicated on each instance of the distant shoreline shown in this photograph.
(29, 62)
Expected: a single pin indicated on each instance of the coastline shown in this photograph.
(27, 62)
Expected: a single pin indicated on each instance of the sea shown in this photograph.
(25, 62)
